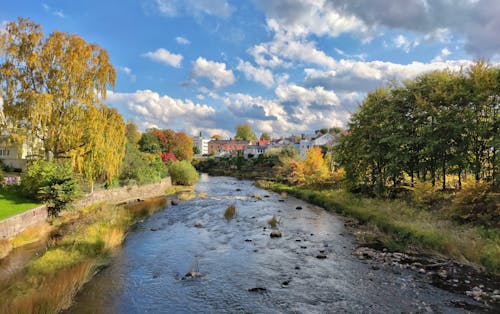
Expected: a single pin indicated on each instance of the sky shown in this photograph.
(283, 66)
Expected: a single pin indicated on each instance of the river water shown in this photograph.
(236, 256)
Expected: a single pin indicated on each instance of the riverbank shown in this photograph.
(82, 242)
(399, 227)
(454, 257)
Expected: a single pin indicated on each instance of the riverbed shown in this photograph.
(239, 268)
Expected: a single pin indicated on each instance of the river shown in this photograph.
(235, 257)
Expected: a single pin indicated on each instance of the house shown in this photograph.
(318, 139)
(255, 150)
(226, 147)
(202, 144)
(15, 155)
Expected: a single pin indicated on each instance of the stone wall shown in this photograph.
(126, 193)
(14, 225)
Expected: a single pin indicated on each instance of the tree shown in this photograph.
(183, 146)
(53, 90)
(149, 143)
(265, 136)
(132, 133)
(244, 133)
(216, 137)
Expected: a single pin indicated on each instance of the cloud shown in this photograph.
(219, 8)
(288, 46)
(304, 17)
(443, 55)
(215, 72)
(359, 76)
(150, 109)
(164, 56)
(129, 73)
(260, 75)
(404, 43)
(56, 12)
(182, 41)
(477, 21)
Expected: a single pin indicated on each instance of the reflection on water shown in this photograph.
(237, 256)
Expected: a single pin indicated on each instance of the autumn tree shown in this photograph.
(167, 141)
(53, 90)
(132, 133)
(265, 136)
(216, 137)
(244, 133)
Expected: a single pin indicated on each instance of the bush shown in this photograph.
(476, 204)
(183, 173)
(425, 196)
(50, 182)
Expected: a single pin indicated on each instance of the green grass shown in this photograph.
(400, 226)
(11, 203)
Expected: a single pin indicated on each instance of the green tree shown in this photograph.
(244, 133)
(265, 136)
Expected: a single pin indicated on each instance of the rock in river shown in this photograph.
(275, 234)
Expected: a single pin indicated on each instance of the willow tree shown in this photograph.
(53, 90)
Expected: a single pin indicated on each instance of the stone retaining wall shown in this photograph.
(14, 225)
(123, 194)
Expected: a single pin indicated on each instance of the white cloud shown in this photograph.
(149, 108)
(348, 75)
(298, 95)
(220, 8)
(443, 55)
(260, 75)
(129, 73)
(215, 72)
(404, 43)
(286, 45)
(54, 11)
(182, 40)
(164, 56)
(305, 17)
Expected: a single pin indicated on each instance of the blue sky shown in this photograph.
(284, 66)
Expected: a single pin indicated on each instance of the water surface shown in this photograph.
(236, 256)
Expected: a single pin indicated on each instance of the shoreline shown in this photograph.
(80, 243)
(441, 270)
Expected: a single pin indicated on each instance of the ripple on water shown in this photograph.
(146, 275)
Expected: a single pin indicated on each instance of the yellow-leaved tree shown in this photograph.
(53, 91)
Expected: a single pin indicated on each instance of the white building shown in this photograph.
(202, 144)
(314, 140)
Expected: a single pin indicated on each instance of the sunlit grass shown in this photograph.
(11, 203)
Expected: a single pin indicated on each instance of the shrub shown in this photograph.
(183, 173)
(425, 195)
(476, 204)
(274, 221)
(50, 182)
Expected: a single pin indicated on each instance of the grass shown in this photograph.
(230, 212)
(274, 221)
(402, 227)
(11, 203)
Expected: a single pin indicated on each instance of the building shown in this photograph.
(255, 150)
(226, 147)
(16, 156)
(318, 139)
(202, 144)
